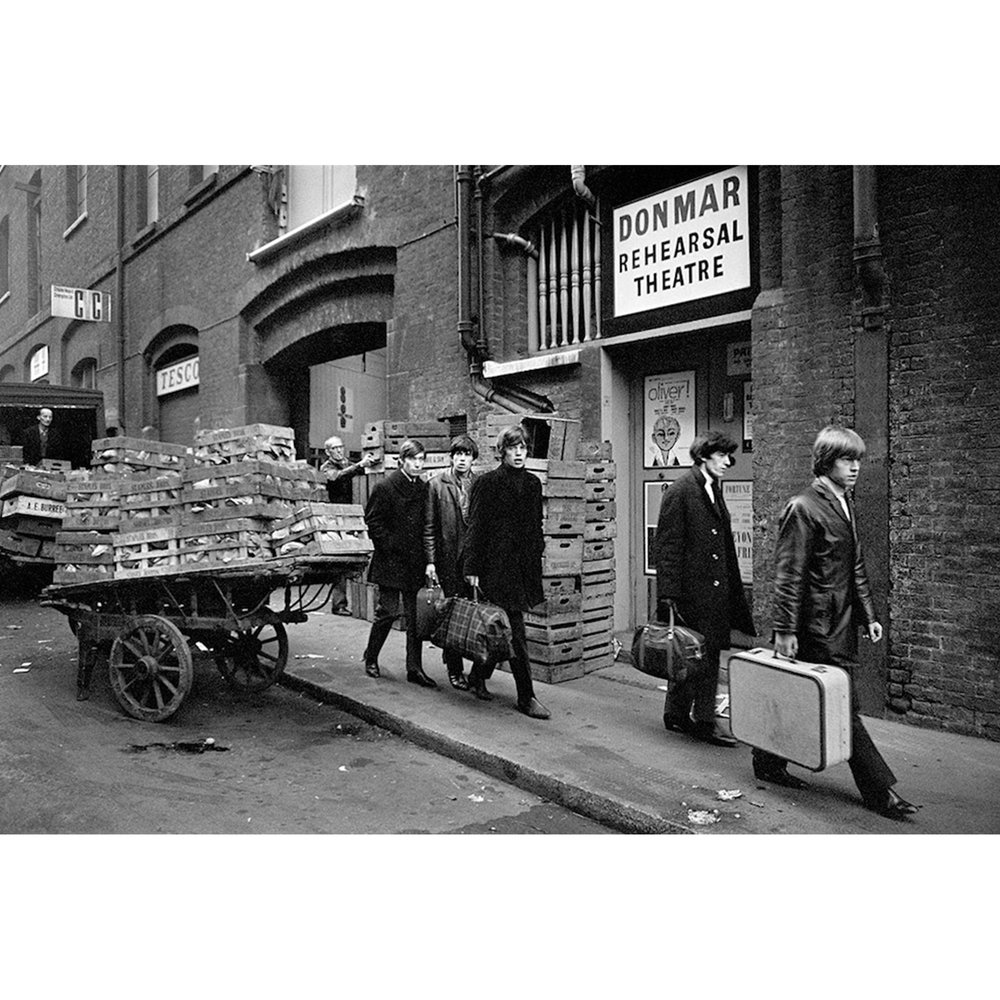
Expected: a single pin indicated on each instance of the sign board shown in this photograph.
(738, 358)
(687, 242)
(653, 498)
(81, 303)
(174, 378)
(739, 501)
(39, 364)
(345, 408)
(668, 419)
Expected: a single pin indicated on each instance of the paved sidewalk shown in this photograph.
(606, 754)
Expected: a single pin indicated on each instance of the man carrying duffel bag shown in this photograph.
(502, 555)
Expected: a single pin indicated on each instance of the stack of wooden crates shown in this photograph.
(571, 632)
(31, 510)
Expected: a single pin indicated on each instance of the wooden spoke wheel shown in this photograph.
(150, 668)
(254, 658)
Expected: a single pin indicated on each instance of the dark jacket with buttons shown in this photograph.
(821, 590)
(395, 518)
(444, 530)
(696, 566)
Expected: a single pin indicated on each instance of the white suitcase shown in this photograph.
(799, 711)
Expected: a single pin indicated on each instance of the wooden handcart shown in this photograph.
(153, 628)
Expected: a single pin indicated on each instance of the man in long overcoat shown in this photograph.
(503, 554)
(444, 534)
(395, 518)
(41, 440)
(696, 568)
(821, 595)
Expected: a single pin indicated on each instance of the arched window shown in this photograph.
(37, 365)
(7, 373)
(84, 374)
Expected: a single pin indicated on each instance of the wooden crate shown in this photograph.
(48, 486)
(555, 673)
(37, 527)
(149, 501)
(553, 633)
(558, 605)
(598, 531)
(600, 510)
(322, 529)
(414, 429)
(599, 471)
(562, 487)
(561, 652)
(594, 451)
(92, 503)
(12, 453)
(555, 525)
(33, 507)
(239, 541)
(562, 556)
(597, 551)
(83, 557)
(560, 584)
(70, 573)
(215, 505)
(265, 442)
(556, 469)
(126, 455)
(604, 490)
(574, 507)
(153, 552)
(19, 545)
(598, 571)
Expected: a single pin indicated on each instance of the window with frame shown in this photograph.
(564, 281)
(84, 374)
(4, 256)
(147, 195)
(76, 194)
(310, 191)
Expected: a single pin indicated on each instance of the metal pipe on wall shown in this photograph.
(120, 293)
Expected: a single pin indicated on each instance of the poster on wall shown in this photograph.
(668, 419)
(739, 501)
(748, 416)
(653, 498)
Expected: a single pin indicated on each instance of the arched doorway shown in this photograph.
(175, 380)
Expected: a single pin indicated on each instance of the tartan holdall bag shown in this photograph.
(477, 631)
(671, 651)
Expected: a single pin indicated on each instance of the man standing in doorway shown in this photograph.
(820, 585)
(339, 473)
(41, 441)
(697, 571)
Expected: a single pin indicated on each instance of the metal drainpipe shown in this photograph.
(579, 175)
(867, 246)
(512, 398)
(120, 295)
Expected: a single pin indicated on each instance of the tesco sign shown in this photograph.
(174, 378)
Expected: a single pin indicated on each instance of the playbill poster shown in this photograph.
(669, 421)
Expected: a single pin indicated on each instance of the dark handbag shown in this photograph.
(672, 651)
(430, 602)
(475, 630)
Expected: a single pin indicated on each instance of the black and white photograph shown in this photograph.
(397, 551)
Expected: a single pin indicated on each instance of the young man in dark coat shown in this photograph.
(697, 570)
(821, 591)
(444, 534)
(395, 517)
(503, 554)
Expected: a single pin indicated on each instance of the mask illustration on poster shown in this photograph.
(669, 419)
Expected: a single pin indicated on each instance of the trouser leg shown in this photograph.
(386, 612)
(871, 773)
(454, 662)
(705, 685)
(519, 661)
(414, 646)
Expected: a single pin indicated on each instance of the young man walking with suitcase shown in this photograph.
(696, 570)
(820, 586)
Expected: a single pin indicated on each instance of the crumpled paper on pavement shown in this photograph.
(702, 817)
(727, 794)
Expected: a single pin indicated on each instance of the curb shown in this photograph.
(601, 808)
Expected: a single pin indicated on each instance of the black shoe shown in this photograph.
(891, 805)
(459, 682)
(371, 669)
(534, 709)
(778, 776)
(478, 687)
(419, 677)
(707, 733)
(678, 723)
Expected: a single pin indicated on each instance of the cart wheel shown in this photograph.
(254, 659)
(150, 668)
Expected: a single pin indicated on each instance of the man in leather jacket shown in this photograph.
(821, 596)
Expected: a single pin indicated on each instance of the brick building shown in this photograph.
(646, 302)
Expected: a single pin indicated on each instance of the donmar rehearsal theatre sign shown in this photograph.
(685, 243)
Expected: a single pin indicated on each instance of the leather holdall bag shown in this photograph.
(476, 630)
(430, 603)
(670, 651)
